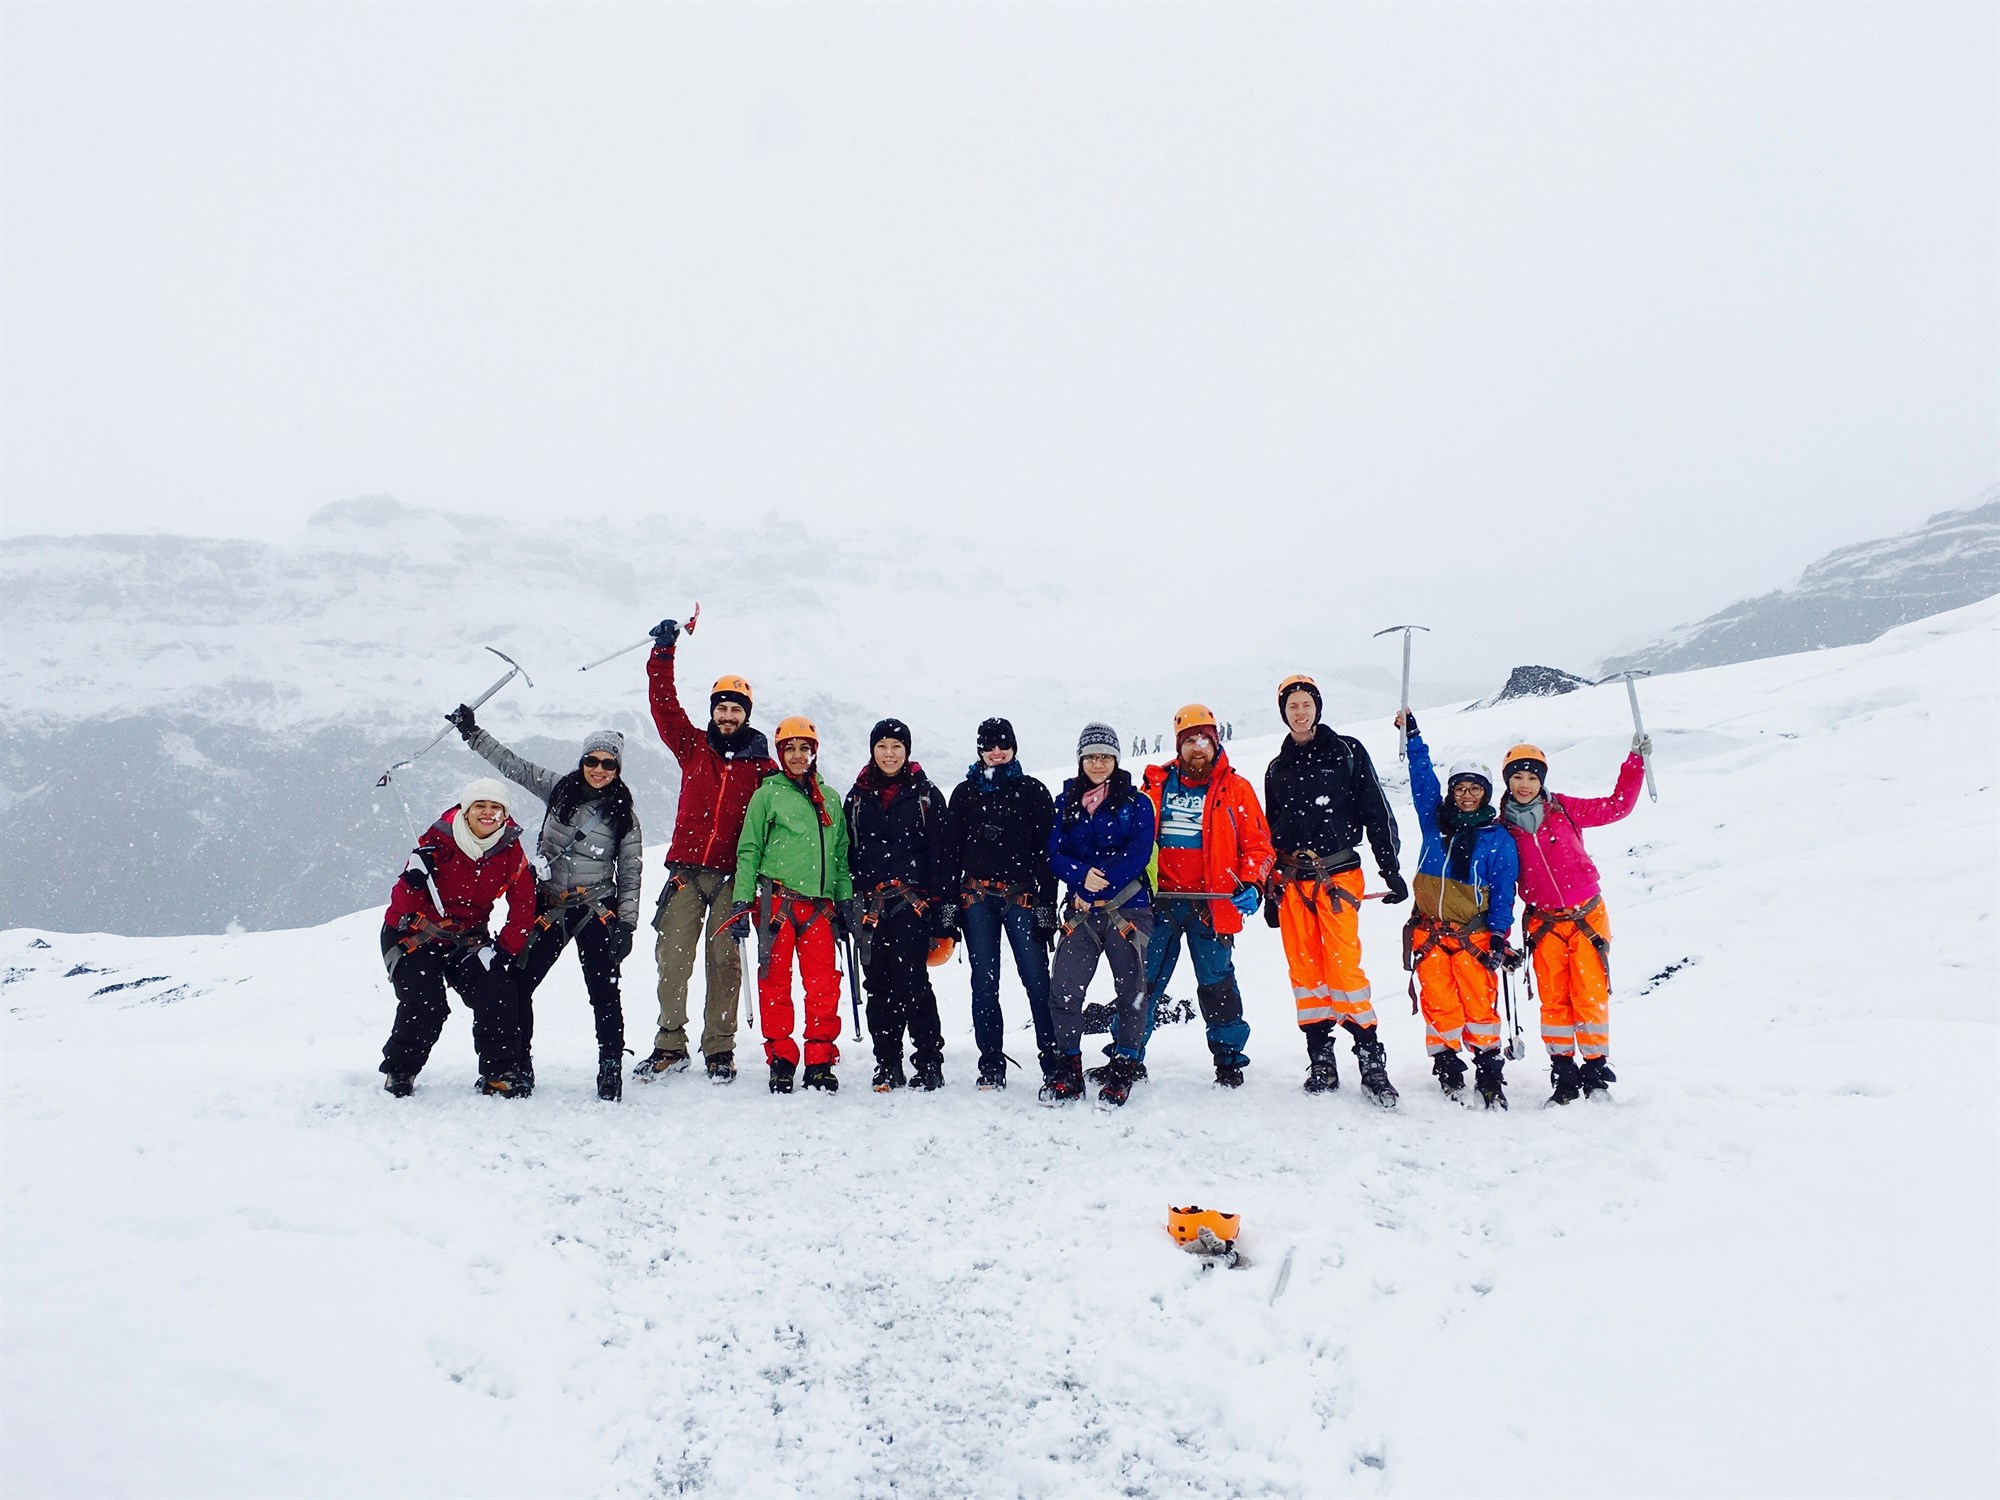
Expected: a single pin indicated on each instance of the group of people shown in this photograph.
(765, 853)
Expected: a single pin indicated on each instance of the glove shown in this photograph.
(619, 938)
(1497, 955)
(847, 917)
(1398, 890)
(1642, 744)
(1214, 1250)
(1510, 956)
(461, 719)
(1409, 722)
(737, 923)
(665, 634)
(414, 879)
(1046, 927)
(417, 875)
(946, 925)
(1271, 904)
(1245, 900)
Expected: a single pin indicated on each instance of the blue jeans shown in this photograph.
(1214, 956)
(982, 923)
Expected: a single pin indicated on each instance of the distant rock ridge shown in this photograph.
(1534, 682)
(1849, 596)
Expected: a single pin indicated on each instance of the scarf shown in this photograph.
(1461, 832)
(1081, 799)
(1526, 816)
(809, 784)
(886, 787)
(988, 778)
(471, 846)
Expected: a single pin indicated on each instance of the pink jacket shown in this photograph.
(1556, 872)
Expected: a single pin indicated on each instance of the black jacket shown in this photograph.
(907, 840)
(1321, 795)
(1000, 830)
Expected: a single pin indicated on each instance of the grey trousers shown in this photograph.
(1095, 935)
(694, 909)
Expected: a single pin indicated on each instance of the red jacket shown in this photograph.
(1556, 872)
(715, 784)
(470, 887)
(1235, 839)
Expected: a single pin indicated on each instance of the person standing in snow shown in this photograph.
(899, 854)
(471, 856)
(591, 844)
(1000, 823)
(1565, 927)
(1215, 858)
(1100, 844)
(1322, 793)
(792, 883)
(721, 767)
(1456, 942)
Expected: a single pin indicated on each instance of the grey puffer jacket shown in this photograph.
(581, 852)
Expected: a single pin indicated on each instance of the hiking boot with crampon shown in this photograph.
(992, 1076)
(888, 1077)
(1450, 1070)
(721, 1067)
(1373, 1060)
(820, 1076)
(610, 1080)
(399, 1085)
(781, 1076)
(1120, 1074)
(1103, 1071)
(1595, 1078)
(1064, 1082)
(1489, 1077)
(927, 1076)
(1323, 1076)
(1228, 1076)
(1563, 1076)
(661, 1061)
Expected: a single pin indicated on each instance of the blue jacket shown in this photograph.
(1117, 839)
(1488, 869)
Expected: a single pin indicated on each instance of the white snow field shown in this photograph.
(233, 1266)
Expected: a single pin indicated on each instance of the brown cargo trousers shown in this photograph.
(694, 908)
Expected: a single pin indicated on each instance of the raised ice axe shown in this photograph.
(514, 669)
(687, 628)
(1403, 744)
(1638, 724)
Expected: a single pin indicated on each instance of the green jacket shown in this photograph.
(784, 840)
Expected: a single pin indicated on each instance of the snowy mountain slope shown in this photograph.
(233, 1266)
(1851, 595)
(199, 723)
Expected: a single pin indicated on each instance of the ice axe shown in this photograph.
(514, 669)
(1638, 724)
(687, 628)
(1403, 744)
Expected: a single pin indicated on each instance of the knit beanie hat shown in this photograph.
(996, 734)
(1096, 739)
(486, 789)
(889, 729)
(605, 742)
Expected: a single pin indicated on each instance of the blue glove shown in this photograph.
(1245, 900)
(665, 634)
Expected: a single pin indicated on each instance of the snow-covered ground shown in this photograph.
(233, 1266)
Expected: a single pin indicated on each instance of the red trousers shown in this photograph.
(805, 928)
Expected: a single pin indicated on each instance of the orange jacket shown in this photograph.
(1235, 839)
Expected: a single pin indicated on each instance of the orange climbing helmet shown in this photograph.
(797, 727)
(1292, 684)
(1184, 1224)
(730, 688)
(1527, 758)
(1195, 716)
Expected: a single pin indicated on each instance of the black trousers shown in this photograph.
(897, 977)
(600, 978)
(419, 980)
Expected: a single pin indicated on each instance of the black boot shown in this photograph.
(1450, 1070)
(1373, 1059)
(1322, 1071)
(1065, 1082)
(927, 1076)
(781, 1076)
(1595, 1078)
(993, 1075)
(1228, 1075)
(820, 1076)
(888, 1076)
(1121, 1074)
(1489, 1076)
(721, 1067)
(610, 1080)
(1103, 1072)
(399, 1085)
(1562, 1074)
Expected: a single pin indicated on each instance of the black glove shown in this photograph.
(1510, 956)
(417, 876)
(740, 920)
(461, 719)
(414, 879)
(945, 924)
(1398, 890)
(1271, 901)
(1409, 722)
(619, 937)
(665, 634)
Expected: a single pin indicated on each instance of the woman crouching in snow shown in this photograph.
(1567, 933)
(468, 859)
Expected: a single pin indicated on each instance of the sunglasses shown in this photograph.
(598, 763)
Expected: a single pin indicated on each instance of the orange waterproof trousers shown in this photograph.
(1456, 992)
(1574, 982)
(1323, 950)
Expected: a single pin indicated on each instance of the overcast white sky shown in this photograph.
(1591, 318)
